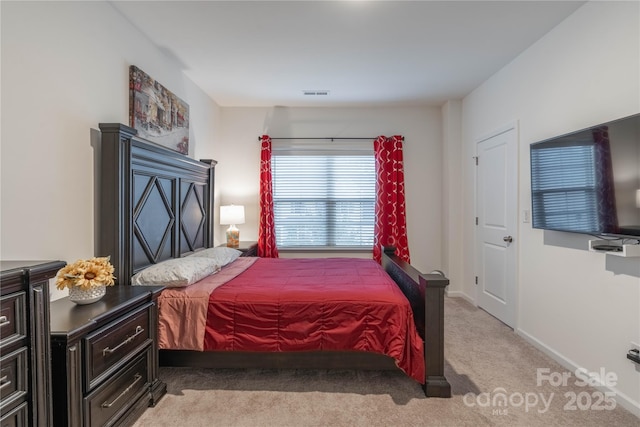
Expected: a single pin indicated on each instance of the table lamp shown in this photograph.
(231, 215)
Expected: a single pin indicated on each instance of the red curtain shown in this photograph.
(390, 228)
(266, 231)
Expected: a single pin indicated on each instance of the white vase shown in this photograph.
(87, 296)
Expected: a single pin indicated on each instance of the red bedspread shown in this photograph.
(315, 304)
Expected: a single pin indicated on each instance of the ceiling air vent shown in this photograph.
(315, 92)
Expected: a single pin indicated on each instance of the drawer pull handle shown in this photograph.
(139, 330)
(4, 382)
(137, 377)
(4, 321)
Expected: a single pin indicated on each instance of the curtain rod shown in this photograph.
(329, 138)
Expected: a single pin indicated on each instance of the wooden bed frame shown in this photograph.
(157, 204)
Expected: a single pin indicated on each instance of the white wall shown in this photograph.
(65, 68)
(579, 306)
(238, 154)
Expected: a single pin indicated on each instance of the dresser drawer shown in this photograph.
(17, 417)
(13, 318)
(13, 376)
(110, 347)
(113, 398)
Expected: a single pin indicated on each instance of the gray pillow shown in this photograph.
(176, 272)
(221, 254)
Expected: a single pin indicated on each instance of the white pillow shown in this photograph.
(176, 272)
(221, 254)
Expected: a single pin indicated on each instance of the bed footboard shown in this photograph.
(425, 293)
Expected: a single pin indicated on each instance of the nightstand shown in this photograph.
(104, 357)
(248, 248)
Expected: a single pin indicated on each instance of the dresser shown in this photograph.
(248, 248)
(105, 358)
(25, 376)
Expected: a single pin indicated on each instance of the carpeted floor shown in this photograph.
(484, 361)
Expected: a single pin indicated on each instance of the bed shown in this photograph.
(156, 205)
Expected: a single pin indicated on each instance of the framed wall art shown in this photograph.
(156, 113)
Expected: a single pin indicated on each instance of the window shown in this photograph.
(324, 200)
(564, 187)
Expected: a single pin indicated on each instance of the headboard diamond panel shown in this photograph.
(153, 219)
(193, 216)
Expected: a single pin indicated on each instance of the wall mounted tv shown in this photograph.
(589, 181)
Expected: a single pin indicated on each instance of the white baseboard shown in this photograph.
(621, 398)
(460, 294)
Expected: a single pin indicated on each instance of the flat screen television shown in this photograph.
(589, 181)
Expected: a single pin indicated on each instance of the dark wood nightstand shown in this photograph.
(105, 357)
(248, 248)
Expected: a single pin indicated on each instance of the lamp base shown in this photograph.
(233, 237)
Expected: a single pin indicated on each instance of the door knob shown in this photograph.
(508, 239)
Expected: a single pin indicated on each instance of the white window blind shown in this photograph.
(323, 200)
(563, 187)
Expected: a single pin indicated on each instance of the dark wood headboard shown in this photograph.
(155, 203)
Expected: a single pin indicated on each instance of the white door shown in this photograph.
(496, 210)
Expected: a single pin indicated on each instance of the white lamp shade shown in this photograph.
(638, 198)
(231, 215)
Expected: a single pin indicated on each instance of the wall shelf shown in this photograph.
(625, 251)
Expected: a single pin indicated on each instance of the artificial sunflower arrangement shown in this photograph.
(86, 274)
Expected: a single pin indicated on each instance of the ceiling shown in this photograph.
(365, 53)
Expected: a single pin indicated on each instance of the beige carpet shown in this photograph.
(484, 358)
